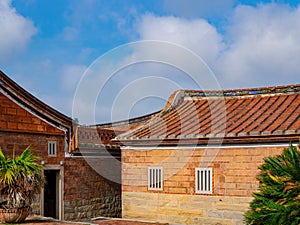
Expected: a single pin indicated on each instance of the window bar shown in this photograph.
(153, 178)
(150, 178)
(201, 178)
(156, 181)
(208, 181)
(205, 181)
(159, 179)
(198, 180)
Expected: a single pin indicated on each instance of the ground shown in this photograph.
(100, 221)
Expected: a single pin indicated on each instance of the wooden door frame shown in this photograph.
(60, 191)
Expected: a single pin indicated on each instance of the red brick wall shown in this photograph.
(82, 182)
(38, 143)
(88, 194)
(15, 118)
(19, 129)
(234, 169)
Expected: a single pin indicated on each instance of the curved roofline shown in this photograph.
(282, 89)
(123, 123)
(26, 100)
(190, 95)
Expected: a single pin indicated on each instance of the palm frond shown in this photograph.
(277, 201)
(20, 178)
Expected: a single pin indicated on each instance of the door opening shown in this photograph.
(51, 194)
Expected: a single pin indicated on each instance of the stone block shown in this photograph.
(232, 207)
(184, 209)
(225, 214)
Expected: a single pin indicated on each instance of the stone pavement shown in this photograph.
(36, 220)
(124, 222)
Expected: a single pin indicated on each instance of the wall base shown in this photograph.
(185, 209)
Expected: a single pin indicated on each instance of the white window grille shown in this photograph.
(155, 178)
(203, 180)
(52, 148)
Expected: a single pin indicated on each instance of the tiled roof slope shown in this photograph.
(95, 142)
(102, 134)
(97, 139)
(246, 115)
(125, 125)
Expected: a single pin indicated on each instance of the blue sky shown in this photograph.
(47, 45)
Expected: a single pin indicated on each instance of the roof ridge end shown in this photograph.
(174, 100)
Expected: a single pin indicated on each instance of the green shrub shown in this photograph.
(278, 199)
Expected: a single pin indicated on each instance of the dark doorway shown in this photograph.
(51, 193)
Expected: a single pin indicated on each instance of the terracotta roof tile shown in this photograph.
(243, 113)
(97, 139)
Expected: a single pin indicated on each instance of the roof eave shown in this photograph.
(208, 141)
(30, 102)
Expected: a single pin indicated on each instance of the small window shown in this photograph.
(52, 148)
(203, 180)
(155, 178)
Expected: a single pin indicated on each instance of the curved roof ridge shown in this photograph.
(126, 122)
(283, 89)
(174, 100)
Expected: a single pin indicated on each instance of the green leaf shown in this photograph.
(277, 201)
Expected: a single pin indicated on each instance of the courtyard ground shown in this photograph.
(97, 221)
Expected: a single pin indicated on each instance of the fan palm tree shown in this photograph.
(20, 178)
(278, 199)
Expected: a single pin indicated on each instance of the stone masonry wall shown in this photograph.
(234, 180)
(185, 209)
(88, 194)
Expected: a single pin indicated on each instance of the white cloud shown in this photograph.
(259, 46)
(197, 35)
(16, 31)
(263, 46)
